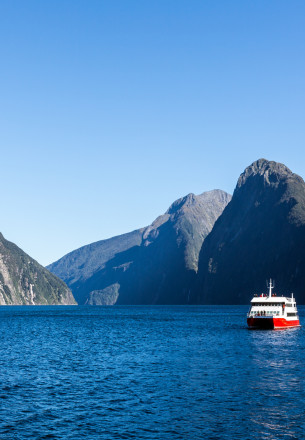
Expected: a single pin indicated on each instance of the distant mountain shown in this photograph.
(23, 281)
(260, 234)
(153, 265)
(81, 264)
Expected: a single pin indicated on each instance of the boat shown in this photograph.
(269, 311)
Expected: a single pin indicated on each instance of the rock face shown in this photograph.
(24, 282)
(261, 234)
(153, 265)
(79, 267)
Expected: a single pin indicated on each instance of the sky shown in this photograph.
(112, 109)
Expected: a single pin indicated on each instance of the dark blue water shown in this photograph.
(148, 373)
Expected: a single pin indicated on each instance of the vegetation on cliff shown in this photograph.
(261, 234)
(23, 281)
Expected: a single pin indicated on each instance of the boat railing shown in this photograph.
(263, 313)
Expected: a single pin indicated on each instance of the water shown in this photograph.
(148, 373)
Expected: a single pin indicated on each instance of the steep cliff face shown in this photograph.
(81, 264)
(261, 234)
(24, 282)
(154, 265)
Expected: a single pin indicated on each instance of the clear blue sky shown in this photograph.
(111, 110)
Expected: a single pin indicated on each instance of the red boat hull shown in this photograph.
(271, 323)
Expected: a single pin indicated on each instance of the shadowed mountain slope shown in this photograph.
(261, 234)
(81, 264)
(24, 281)
(153, 265)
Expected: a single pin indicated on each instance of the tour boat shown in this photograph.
(272, 311)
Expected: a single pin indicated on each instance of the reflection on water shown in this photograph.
(277, 381)
(148, 373)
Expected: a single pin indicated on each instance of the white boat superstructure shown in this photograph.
(272, 311)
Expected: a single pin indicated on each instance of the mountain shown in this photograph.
(260, 234)
(24, 282)
(153, 265)
(83, 263)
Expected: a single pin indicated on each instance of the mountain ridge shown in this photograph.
(259, 235)
(172, 241)
(23, 281)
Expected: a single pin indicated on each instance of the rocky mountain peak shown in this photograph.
(188, 200)
(269, 172)
(191, 200)
(259, 235)
(154, 265)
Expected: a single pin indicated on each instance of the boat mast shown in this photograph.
(270, 288)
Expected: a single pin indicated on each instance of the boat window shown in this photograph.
(269, 304)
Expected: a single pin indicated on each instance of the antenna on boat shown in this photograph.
(271, 286)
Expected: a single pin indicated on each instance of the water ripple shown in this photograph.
(148, 373)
